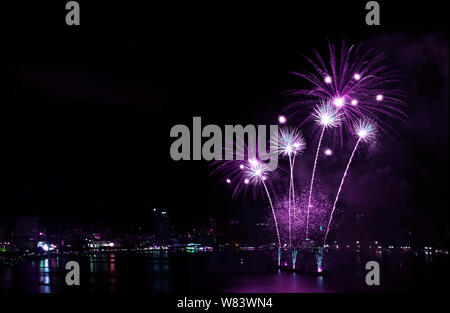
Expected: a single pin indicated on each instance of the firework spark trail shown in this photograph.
(292, 194)
(289, 142)
(326, 115)
(291, 190)
(274, 218)
(340, 188)
(312, 180)
(366, 131)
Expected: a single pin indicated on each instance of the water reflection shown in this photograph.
(44, 276)
(112, 262)
(211, 272)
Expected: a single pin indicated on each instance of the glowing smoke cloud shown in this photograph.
(365, 130)
(327, 116)
(320, 209)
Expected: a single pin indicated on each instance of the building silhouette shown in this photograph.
(361, 233)
(160, 226)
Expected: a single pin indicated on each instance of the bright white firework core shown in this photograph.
(357, 76)
(379, 97)
(258, 172)
(241, 167)
(362, 133)
(253, 162)
(228, 180)
(328, 79)
(288, 149)
(328, 152)
(339, 102)
(246, 181)
(354, 102)
(325, 119)
(365, 130)
(281, 119)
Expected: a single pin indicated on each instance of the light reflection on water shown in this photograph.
(206, 272)
(44, 276)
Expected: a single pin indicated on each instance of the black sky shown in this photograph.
(86, 111)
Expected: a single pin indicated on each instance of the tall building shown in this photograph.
(361, 234)
(160, 226)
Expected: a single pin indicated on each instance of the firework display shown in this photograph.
(223, 156)
(355, 81)
(351, 97)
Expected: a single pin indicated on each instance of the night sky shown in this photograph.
(86, 111)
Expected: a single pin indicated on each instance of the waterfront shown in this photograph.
(227, 272)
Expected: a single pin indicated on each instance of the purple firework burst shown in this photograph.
(357, 83)
(240, 173)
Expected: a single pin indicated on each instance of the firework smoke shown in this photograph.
(320, 209)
